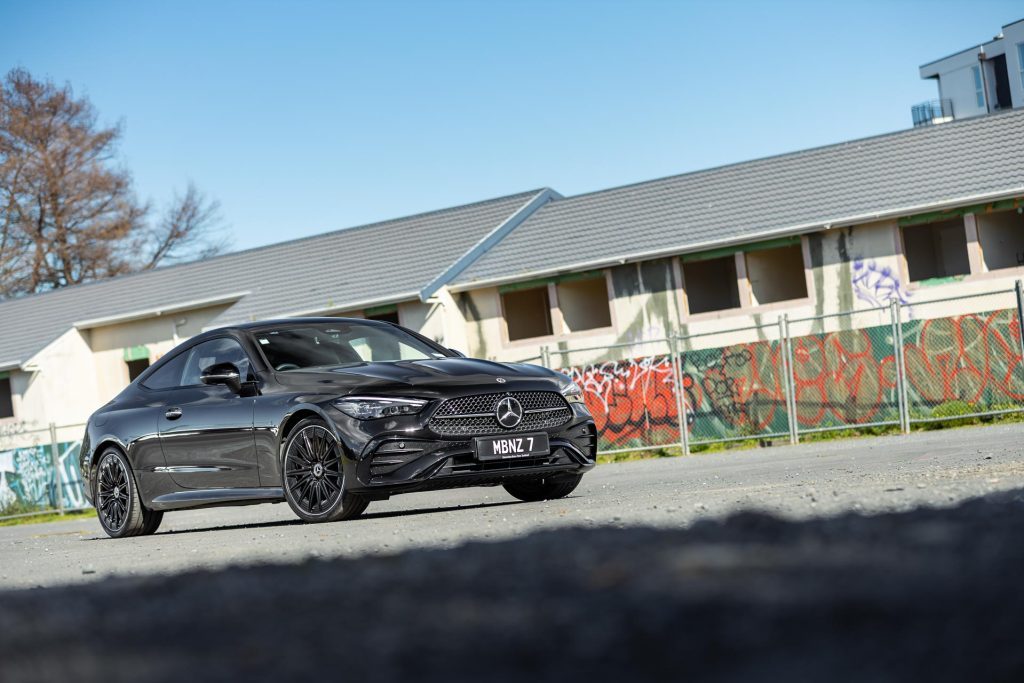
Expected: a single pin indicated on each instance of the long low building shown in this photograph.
(920, 214)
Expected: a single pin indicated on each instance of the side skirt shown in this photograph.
(199, 498)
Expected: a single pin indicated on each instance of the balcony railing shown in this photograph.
(935, 111)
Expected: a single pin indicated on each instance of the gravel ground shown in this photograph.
(806, 481)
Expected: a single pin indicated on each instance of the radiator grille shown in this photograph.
(474, 415)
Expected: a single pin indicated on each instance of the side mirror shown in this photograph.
(225, 374)
(458, 353)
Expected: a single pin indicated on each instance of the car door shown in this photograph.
(206, 432)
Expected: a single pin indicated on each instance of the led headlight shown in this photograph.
(572, 393)
(373, 407)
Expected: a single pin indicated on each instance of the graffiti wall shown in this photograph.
(28, 480)
(969, 363)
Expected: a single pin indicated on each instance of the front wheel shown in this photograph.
(118, 505)
(533, 490)
(314, 479)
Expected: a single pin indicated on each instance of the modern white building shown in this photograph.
(979, 80)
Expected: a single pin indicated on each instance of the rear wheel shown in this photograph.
(314, 479)
(118, 505)
(549, 488)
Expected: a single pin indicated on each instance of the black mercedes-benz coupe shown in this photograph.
(327, 414)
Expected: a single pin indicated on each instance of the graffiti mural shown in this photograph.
(877, 285)
(841, 378)
(633, 401)
(27, 479)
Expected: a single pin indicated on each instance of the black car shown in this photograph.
(327, 414)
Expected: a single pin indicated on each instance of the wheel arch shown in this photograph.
(105, 442)
(295, 417)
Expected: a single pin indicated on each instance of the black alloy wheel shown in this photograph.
(314, 478)
(118, 505)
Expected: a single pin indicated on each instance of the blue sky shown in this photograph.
(303, 117)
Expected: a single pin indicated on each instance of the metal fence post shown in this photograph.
(901, 368)
(677, 377)
(1019, 289)
(545, 357)
(789, 386)
(58, 480)
(897, 351)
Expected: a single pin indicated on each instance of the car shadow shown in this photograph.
(298, 522)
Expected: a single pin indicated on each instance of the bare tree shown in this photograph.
(189, 230)
(68, 213)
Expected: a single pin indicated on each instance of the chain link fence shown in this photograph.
(896, 365)
(39, 470)
(888, 366)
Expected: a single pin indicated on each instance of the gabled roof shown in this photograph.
(347, 269)
(900, 173)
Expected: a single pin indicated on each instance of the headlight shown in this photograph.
(373, 407)
(572, 393)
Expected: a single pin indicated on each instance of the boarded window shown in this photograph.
(1001, 236)
(527, 313)
(6, 399)
(936, 249)
(584, 304)
(776, 274)
(136, 368)
(711, 285)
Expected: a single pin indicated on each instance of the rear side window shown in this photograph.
(168, 375)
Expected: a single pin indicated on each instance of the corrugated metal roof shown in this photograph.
(382, 262)
(845, 183)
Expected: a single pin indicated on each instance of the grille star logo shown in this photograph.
(509, 412)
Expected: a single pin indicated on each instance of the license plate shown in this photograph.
(510, 447)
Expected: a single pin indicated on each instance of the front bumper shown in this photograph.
(402, 463)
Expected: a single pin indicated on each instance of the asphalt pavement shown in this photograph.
(895, 473)
(813, 592)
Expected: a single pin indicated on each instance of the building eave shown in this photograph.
(488, 242)
(159, 311)
(329, 310)
(840, 222)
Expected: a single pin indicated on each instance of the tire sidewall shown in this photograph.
(333, 512)
(134, 513)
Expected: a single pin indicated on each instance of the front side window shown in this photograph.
(212, 352)
(185, 369)
(979, 87)
(304, 347)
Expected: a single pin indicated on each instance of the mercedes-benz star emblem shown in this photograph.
(509, 412)
(499, 380)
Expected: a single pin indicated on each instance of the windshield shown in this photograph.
(328, 344)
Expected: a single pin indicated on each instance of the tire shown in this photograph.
(118, 505)
(314, 477)
(533, 490)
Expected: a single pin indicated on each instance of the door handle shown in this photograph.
(173, 413)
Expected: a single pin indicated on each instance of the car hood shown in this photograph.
(434, 374)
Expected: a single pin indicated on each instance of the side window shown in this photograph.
(214, 351)
(168, 375)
